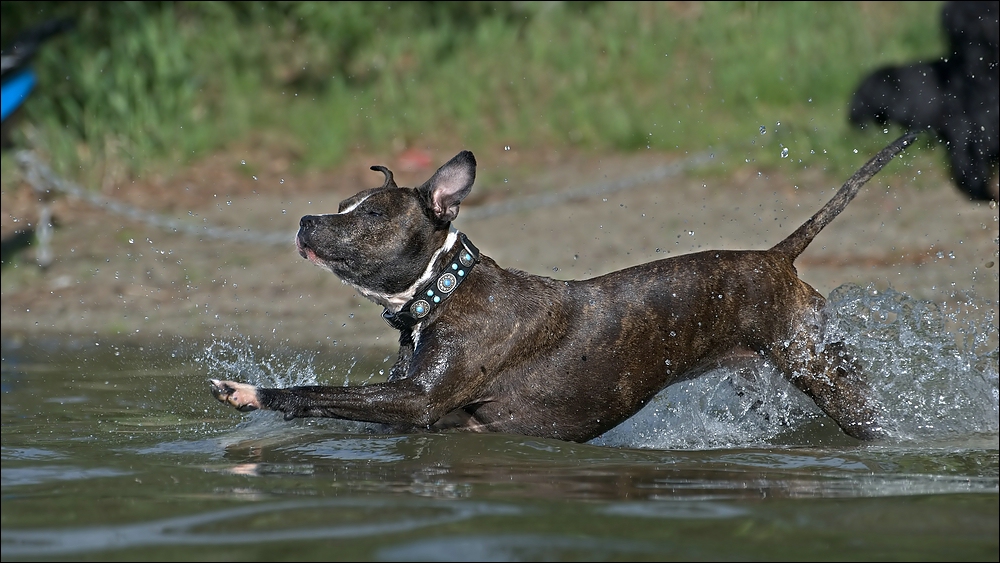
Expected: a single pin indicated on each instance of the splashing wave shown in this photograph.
(932, 365)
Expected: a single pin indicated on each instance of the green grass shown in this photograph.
(148, 86)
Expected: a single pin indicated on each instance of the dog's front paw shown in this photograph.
(239, 395)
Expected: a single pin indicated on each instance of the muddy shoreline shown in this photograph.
(118, 279)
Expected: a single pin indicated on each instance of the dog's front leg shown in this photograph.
(398, 403)
(401, 368)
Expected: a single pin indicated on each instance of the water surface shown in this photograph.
(119, 452)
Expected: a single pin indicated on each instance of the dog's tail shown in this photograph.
(797, 242)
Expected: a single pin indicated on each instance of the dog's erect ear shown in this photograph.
(389, 182)
(449, 185)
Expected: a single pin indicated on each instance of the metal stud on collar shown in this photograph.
(420, 308)
(447, 282)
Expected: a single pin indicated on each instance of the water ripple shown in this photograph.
(202, 529)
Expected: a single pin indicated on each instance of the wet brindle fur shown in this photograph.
(519, 353)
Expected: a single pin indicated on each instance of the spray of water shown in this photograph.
(932, 366)
(242, 360)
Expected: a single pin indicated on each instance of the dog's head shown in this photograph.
(383, 240)
(914, 96)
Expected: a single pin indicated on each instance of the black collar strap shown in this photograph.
(433, 293)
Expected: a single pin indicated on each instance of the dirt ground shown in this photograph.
(565, 215)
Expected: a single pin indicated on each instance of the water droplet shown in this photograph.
(506, 147)
(254, 177)
(763, 130)
(784, 152)
(281, 181)
(855, 151)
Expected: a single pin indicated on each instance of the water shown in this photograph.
(118, 452)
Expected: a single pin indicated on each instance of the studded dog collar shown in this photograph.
(436, 291)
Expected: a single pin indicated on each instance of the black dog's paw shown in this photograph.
(239, 395)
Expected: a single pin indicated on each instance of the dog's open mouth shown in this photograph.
(306, 252)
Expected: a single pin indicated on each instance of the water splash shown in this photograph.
(244, 361)
(723, 408)
(932, 366)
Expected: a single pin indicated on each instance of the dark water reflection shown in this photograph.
(119, 453)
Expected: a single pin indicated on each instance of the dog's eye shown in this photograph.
(374, 213)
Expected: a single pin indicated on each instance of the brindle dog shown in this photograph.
(489, 349)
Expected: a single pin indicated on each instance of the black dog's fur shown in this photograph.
(957, 97)
(507, 351)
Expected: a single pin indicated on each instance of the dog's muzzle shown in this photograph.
(307, 224)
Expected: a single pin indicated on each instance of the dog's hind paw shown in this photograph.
(239, 395)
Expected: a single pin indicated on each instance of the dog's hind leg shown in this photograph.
(831, 377)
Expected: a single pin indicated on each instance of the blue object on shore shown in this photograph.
(15, 91)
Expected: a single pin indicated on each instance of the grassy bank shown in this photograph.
(140, 87)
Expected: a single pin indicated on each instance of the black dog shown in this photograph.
(483, 348)
(957, 97)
